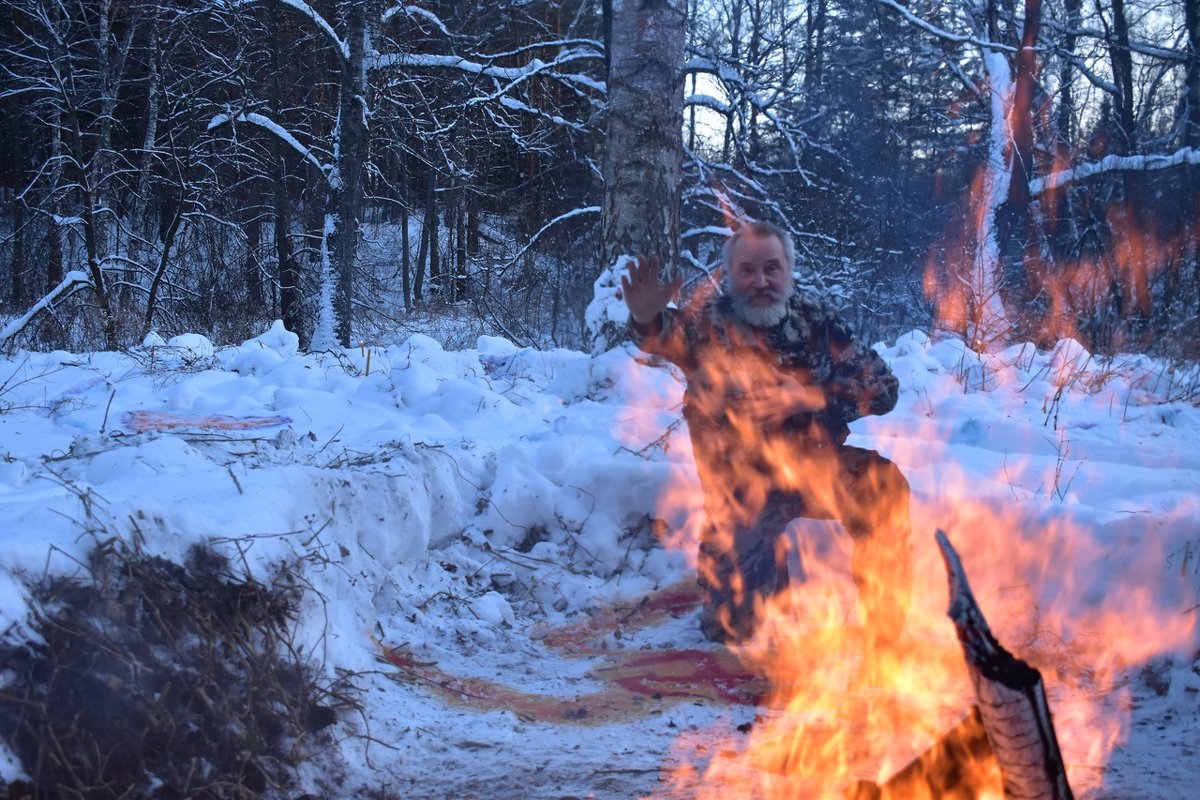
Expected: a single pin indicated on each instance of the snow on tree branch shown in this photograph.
(416, 11)
(575, 212)
(72, 282)
(942, 33)
(567, 44)
(310, 12)
(1187, 155)
(707, 101)
(1176, 56)
(517, 105)
(269, 124)
(513, 74)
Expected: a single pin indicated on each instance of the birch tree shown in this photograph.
(643, 153)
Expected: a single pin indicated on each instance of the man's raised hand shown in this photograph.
(645, 293)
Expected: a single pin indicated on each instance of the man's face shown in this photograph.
(760, 282)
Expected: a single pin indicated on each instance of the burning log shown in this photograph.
(960, 765)
(1011, 698)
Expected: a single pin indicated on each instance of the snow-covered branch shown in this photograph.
(416, 11)
(71, 283)
(575, 212)
(1179, 56)
(707, 101)
(322, 25)
(1187, 155)
(942, 33)
(557, 119)
(513, 74)
(268, 124)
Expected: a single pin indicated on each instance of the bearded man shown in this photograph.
(773, 379)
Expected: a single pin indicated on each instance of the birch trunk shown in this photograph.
(988, 324)
(643, 159)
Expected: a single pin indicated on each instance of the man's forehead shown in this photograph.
(753, 245)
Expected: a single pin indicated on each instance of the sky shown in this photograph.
(507, 552)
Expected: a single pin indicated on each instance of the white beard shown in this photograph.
(761, 316)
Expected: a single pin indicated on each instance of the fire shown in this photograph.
(837, 724)
(1064, 295)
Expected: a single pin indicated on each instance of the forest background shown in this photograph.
(365, 170)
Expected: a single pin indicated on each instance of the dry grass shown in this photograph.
(146, 678)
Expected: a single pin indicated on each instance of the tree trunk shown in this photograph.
(735, 46)
(987, 324)
(1012, 218)
(754, 58)
(17, 275)
(473, 238)
(1135, 288)
(17, 286)
(423, 246)
(290, 295)
(54, 259)
(814, 49)
(139, 219)
(168, 241)
(450, 273)
(253, 272)
(1022, 112)
(1191, 120)
(111, 59)
(347, 183)
(460, 252)
(1122, 66)
(643, 159)
(1191, 134)
(1066, 77)
(405, 257)
(91, 237)
(431, 226)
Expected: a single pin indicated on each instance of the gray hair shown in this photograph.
(760, 228)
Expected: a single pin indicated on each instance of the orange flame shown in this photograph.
(830, 724)
(1116, 281)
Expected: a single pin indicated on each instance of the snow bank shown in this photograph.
(455, 501)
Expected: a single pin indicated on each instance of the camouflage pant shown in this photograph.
(743, 556)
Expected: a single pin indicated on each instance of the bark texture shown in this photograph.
(346, 195)
(1010, 697)
(643, 161)
(1191, 122)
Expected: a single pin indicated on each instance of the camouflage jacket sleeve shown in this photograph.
(670, 337)
(860, 383)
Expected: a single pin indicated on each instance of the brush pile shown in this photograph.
(148, 678)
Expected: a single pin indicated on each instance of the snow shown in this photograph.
(72, 281)
(463, 504)
(278, 130)
(1111, 163)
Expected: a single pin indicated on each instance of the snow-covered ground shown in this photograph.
(460, 507)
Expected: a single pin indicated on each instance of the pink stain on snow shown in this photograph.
(160, 421)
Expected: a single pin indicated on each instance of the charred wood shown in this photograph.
(1011, 698)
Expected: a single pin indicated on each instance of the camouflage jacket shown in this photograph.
(721, 357)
